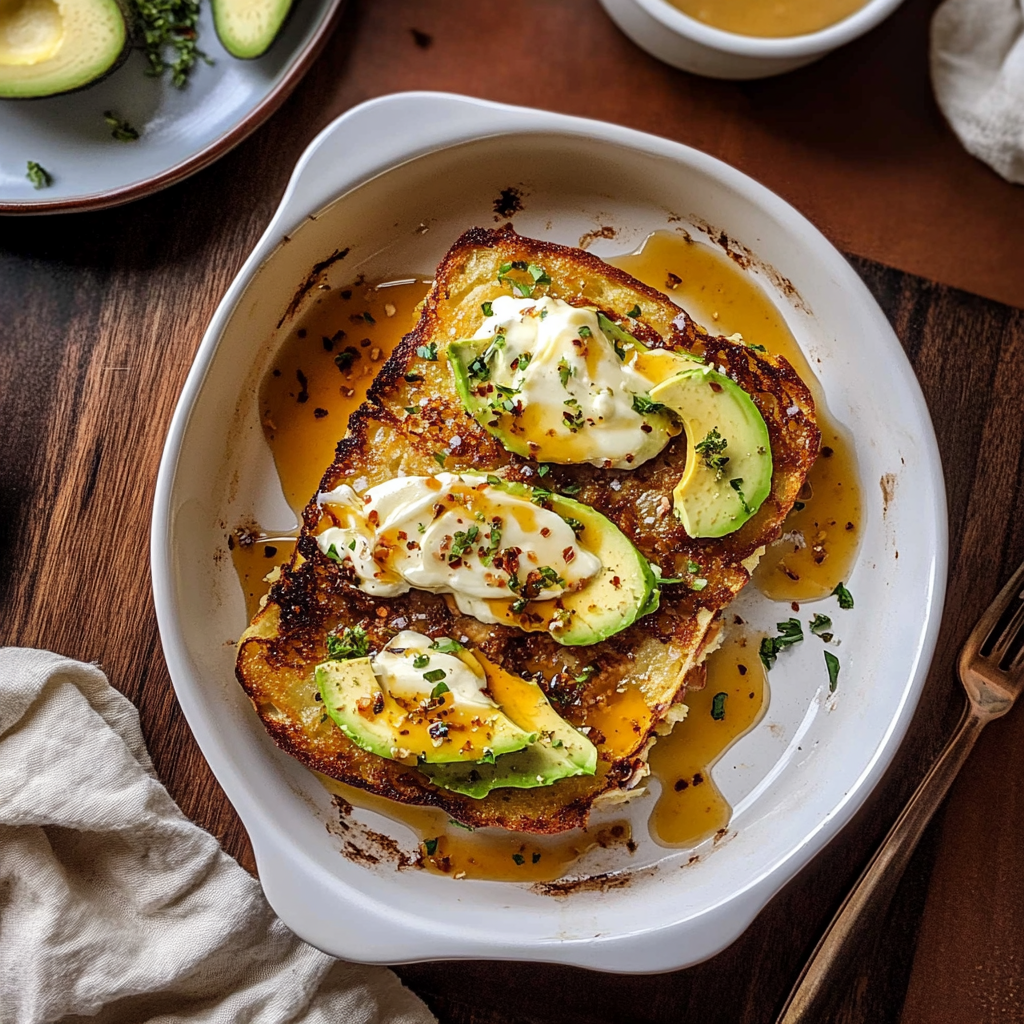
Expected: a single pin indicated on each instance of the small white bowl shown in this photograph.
(676, 38)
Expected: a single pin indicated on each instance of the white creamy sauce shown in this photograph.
(577, 393)
(403, 666)
(453, 534)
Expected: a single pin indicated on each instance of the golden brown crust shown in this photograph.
(650, 660)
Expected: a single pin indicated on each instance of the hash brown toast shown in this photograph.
(620, 691)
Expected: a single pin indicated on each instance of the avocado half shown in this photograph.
(248, 27)
(49, 47)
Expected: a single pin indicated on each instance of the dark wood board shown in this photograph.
(100, 315)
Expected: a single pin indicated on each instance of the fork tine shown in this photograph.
(1004, 643)
(987, 634)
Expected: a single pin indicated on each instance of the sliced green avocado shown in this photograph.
(49, 47)
(625, 589)
(728, 470)
(559, 752)
(443, 731)
(248, 27)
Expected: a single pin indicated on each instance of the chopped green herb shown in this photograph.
(352, 643)
(540, 496)
(346, 357)
(438, 690)
(170, 25)
(718, 706)
(565, 371)
(493, 480)
(430, 846)
(535, 858)
(368, 318)
(462, 541)
(571, 489)
(446, 645)
(790, 633)
(585, 332)
(698, 584)
(737, 485)
(710, 450)
(487, 308)
(844, 596)
(459, 824)
(435, 675)
(499, 342)
(412, 410)
(120, 129)
(585, 673)
(519, 858)
(634, 312)
(539, 274)
(428, 352)
(832, 663)
(493, 540)
(543, 470)
(576, 526)
(334, 554)
(439, 458)
(549, 576)
(422, 527)
(643, 405)
(479, 370)
(757, 348)
(820, 625)
(519, 606)
(524, 360)
(421, 661)
(38, 175)
(351, 544)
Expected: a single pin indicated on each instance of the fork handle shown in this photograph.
(855, 920)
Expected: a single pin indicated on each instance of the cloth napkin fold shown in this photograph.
(115, 906)
(977, 63)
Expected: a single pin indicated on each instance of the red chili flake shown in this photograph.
(616, 582)
(378, 702)
(373, 518)
(568, 554)
(545, 532)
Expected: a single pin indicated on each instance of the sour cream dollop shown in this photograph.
(453, 534)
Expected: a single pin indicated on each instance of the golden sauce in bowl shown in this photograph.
(771, 19)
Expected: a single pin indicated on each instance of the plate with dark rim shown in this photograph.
(181, 130)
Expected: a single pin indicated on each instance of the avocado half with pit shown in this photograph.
(728, 470)
(248, 27)
(49, 47)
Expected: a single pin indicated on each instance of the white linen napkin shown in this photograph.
(977, 62)
(115, 906)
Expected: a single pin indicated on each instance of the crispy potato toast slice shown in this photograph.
(621, 689)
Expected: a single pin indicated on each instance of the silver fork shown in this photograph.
(991, 668)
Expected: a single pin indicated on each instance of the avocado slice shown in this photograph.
(53, 46)
(435, 730)
(248, 27)
(559, 751)
(728, 470)
(625, 589)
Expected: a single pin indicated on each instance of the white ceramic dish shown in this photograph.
(182, 130)
(396, 180)
(684, 42)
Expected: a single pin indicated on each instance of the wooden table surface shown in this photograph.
(100, 315)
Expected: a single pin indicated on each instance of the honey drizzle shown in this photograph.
(256, 556)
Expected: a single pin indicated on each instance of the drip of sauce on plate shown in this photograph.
(446, 848)
(822, 533)
(769, 18)
(691, 808)
(320, 375)
(257, 555)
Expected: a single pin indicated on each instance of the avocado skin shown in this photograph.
(129, 21)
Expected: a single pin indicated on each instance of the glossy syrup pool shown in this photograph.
(320, 376)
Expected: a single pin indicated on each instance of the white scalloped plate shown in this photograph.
(372, 182)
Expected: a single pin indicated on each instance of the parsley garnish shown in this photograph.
(494, 539)
(832, 663)
(462, 541)
(173, 25)
(820, 626)
(737, 485)
(539, 274)
(756, 348)
(543, 470)
(446, 645)
(572, 489)
(460, 824)
(428, 352)
(576, 526)
(519, 858)
(585, 332)
(618, 337)
(487, 308)
(718, 706)
(710, 450)
(438, 690)
(549, 576)
(38, 175)
(643, 405)
(634, 312)
(439, 458)
(790, 633)
(334, 554)
(352, 643)
(844, 596)
(120, 129)
(430, 845)
(585, 673)
(565, 371)
(479, 370)
(421, 661)
(535, 858)
(435, 675)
